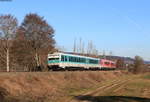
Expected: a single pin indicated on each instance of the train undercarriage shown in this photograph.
(57, 68)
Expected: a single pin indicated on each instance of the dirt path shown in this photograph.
(114, 85)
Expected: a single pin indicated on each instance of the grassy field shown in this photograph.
(82, 86)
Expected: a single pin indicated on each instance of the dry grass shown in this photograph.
(58, 86)
(49, 86)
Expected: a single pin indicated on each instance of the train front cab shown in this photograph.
(53, 61)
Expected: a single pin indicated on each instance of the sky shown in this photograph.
(118, 26)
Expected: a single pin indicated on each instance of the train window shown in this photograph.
(69, 59)
(50, 59)
(96, 61)
(83, 60)
(93, 61)
(107, 63)
(90, 61)
(87, 60)
(79, 59)
(65, 59)
(75, 59)
(72, 59)
(62, 58)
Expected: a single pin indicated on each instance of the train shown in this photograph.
(107, 64)
(65, 61)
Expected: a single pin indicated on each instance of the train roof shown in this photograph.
(57, 53)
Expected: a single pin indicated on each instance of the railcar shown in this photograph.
(107, 64)
(63, 61)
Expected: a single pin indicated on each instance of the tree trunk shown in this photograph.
(37, 59)
(7, 60)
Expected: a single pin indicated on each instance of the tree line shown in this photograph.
(25, 47)
(138, 65)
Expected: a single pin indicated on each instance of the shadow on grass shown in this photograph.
(111, 99)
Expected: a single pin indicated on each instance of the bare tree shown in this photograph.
(8, 27)
(39, 36)
(24, 60)
(138, 65)
(120, 63)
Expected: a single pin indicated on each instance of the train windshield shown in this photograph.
(51, 59)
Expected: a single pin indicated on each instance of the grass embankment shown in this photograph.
(93, 86)
(50, 86)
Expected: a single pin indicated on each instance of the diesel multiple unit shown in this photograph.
(63, 61)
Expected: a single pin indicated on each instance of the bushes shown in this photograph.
(138, 66)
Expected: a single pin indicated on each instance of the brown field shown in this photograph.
(78, 86)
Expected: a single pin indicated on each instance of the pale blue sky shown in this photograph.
(120, 26)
